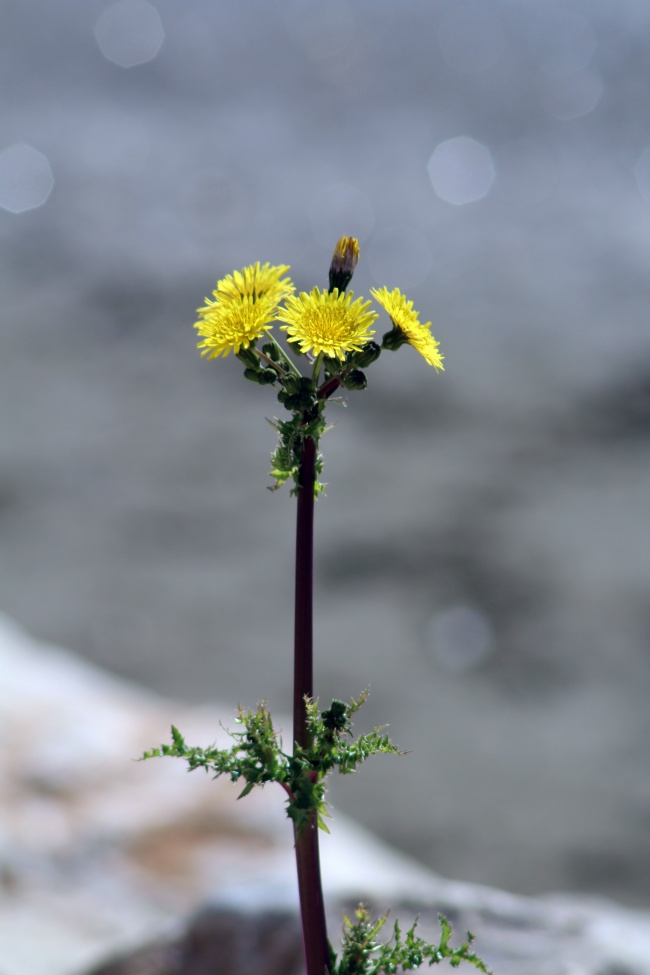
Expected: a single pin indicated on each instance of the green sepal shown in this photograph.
(393, 340)
(248, 357)
(332, 366)
(339, 279)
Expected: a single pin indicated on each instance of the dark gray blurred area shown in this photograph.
(483, 549)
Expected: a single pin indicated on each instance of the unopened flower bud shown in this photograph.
(272, 351)
(344, 261)
(291, 383)
(355, 379)
(303, 397)
(368, 354)
(335, 718)
(264, 377)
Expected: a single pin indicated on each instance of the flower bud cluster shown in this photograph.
(330, 329)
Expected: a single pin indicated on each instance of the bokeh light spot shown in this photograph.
(399, 257)
(461, 170)
(338, 210)
(460, 638)
(470, 37)
(129, 33)
(642, 174)
(570, 96)
(26, 179)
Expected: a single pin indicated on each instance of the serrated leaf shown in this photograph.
(322, 824)
(446, 930)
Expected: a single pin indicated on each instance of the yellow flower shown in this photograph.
(328, 322)
(256, 282)
(406, 321)
(245, 304)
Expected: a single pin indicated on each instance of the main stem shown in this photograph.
(312, 908)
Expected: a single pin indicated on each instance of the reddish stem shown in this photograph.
(329, 387)
(312, 908)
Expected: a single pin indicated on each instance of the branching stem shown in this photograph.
(329, 387)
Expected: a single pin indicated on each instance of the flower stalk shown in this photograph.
(310, 888)
(332, 334)
(303, 684)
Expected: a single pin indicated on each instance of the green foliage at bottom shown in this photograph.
(362, 954)
(257, 757)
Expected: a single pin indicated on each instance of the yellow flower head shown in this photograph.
(406, 321)
(328, 322)
(245, 304)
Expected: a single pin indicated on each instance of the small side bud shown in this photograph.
(272, 351)
(355, 379)
(335, 718)
(299, 393)
(369, 354)
(344, 261)
(263, 377)
(298, 384)
(292, 383)
(299, 401)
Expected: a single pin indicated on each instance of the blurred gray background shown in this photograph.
(483, 549)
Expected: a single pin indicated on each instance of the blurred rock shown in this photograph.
(222, 941)
(103, 858)
(515, 936)
(100, 853)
